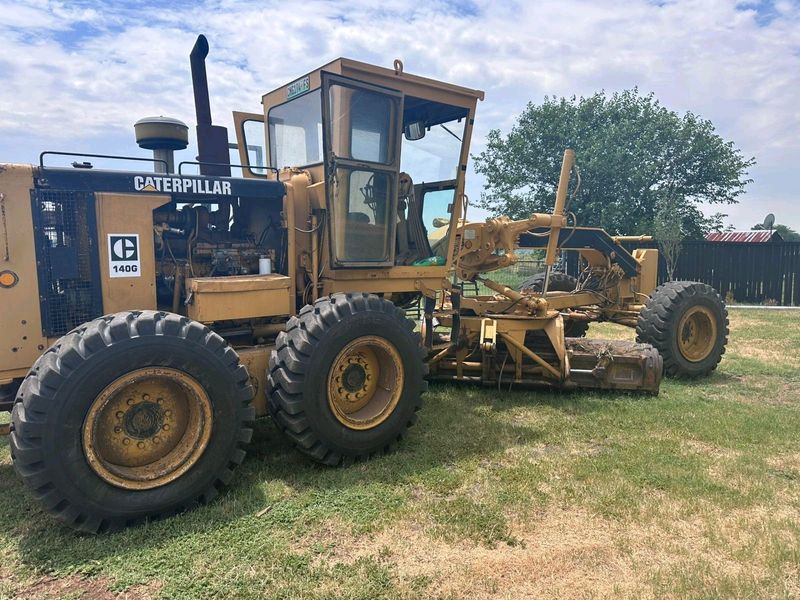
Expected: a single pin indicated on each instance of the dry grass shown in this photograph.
(568, 553)
(97, 588)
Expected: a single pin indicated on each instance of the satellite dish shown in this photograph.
(769, 221)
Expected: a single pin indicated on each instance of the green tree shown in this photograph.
(668, 233)
(787, 233)
(634, 157)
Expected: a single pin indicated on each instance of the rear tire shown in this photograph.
(687, 323)
(346, 378)
(559, 282)
(84, 397)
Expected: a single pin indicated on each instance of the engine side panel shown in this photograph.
(22, 339)
(122, 216)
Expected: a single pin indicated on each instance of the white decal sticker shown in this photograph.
(123, 255)
(299, 87)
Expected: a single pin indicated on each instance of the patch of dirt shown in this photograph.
(787, 394)
(698, 447)
(544, 452)
(788, 463)
(762, 391)
(562, 555)
(568, 553)
(766, 351)
(740, 323)
(94, 588)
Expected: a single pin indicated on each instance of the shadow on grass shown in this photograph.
(456, 424)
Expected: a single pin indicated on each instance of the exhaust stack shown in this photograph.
(212, 140)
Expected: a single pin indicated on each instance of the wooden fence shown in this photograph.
(766, 273)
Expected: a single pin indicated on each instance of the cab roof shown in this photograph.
(396, 79)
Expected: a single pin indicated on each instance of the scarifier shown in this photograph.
(150, 315)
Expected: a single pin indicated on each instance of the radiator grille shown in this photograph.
(66, 253)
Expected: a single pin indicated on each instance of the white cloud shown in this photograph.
(79, 74)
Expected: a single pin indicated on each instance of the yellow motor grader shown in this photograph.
(149, 315)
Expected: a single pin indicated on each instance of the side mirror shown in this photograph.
(414, 131)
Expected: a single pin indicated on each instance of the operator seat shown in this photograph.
(412, 243)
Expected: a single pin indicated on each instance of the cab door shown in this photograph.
(250, 135)
(361, 137)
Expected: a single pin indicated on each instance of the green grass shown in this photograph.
(514, 494)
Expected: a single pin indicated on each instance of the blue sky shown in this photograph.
(77, 75)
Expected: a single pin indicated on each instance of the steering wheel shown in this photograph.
(368, 191)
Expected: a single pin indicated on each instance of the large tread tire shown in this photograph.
(297, 394)
(53, 401)
(8, 393)
(559, 282)
(660, 319)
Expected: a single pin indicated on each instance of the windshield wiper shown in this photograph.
(450, 132)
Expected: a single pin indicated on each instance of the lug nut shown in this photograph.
(140, 445)
(126, 441)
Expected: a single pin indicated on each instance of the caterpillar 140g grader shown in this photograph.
(149, 316)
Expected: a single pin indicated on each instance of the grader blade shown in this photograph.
(613, 364)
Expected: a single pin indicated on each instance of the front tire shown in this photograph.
(132, 415)
(346, 378)
(687, 323)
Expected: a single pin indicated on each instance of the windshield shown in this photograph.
(295, 132)
(435, 157)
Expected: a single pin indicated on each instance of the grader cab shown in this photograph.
(150, 315)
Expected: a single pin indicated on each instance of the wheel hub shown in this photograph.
(697, 333)
(365, 382)
(147, 428)
(143, 420)
(354, 378)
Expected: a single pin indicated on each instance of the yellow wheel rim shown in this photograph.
(147, 428)
(697, 333)
(365, 382)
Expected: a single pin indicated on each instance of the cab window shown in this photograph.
(363, 201)
(435, 157)
(295, 132)
(253, 135)
(361, 126)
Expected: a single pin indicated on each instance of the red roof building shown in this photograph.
(750, 237)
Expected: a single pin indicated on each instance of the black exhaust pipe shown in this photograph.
(212, 140)
(197, 58)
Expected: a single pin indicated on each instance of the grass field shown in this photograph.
(693, 494)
